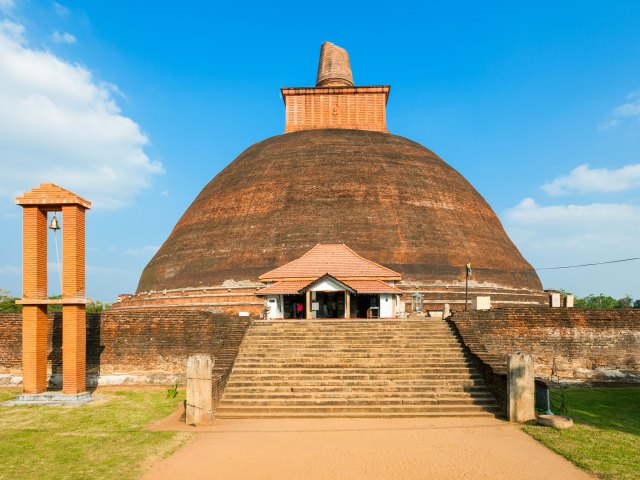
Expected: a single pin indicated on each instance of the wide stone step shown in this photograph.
(343, 370)
(350, 334)
(352, 376)
(362, 353)
(400, 408)
(356, 402)
(311, 381)
(324, 349)
(485, 413)
(237, 394)
(443, 388)
(354, 363)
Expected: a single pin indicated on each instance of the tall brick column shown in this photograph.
(74, 322)
(36, 204)
(34, 288)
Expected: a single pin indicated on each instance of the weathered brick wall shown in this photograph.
(145, 345)
(10, 342)
(575, 344)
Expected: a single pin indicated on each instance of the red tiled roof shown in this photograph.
(294, 287)
(284, 288)
(337, 260)
(372, 286)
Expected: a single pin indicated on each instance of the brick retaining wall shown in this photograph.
(141, 346)
(576, 344)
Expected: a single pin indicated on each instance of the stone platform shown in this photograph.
(51, 399)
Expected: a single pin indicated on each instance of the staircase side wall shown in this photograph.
(567, 344)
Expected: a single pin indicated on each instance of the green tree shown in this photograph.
(596, 301)
(625, 302)
(8, 304)
(636, 304)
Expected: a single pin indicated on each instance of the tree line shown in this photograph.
(8, 304)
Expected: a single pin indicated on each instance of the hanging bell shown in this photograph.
(54, 223)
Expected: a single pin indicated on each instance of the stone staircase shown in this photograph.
(353, 368)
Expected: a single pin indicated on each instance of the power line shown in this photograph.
(590, 264)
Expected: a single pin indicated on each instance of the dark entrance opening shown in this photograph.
(365, 306)
(330, 304)
(294, 306)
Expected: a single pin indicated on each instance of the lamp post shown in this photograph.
(466, 286)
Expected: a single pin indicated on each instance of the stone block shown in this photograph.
(481, 303)
(520, 387)
(446, 311)
(568, 301)
(555, 300)
(199, 410)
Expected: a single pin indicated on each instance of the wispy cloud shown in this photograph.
(10, 270)
(147, 250)
(7, 6)
(59, 124)
(63, 37)
(629, 109)
(581, 232)
(583, 179)
(61, 10)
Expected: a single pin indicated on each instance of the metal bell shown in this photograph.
(54, 223)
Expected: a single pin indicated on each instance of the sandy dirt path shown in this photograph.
(354, 449)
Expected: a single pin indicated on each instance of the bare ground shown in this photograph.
(380, 448)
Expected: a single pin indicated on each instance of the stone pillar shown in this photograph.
(199, 390)
(568, 301)
(74, 321)
(520, 387)
(308, 309)
(446, 311)
(347, 305)
(34, 289)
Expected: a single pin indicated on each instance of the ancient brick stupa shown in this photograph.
(336, 176)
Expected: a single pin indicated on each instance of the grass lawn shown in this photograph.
(100, 440)
(605, 439)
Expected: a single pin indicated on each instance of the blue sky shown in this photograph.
(137, 105)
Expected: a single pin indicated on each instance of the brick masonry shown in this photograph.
(141, 346)
(568, 344)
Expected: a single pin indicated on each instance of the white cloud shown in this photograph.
(58, 124)
(583, 232)
(629, 109)
(147, 250)
(64, 37)
(60, 10)
(7, 5)
(10, 270)
(609, 124)
(560, 235)
(583, 179)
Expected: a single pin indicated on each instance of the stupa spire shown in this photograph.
(334, 68)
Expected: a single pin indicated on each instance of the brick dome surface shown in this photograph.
(388, 198)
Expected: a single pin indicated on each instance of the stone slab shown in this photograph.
(51, 399)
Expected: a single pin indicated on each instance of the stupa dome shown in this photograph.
(336, 176)
(388, 198)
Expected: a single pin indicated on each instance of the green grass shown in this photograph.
(100, 440)
(605, 439)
